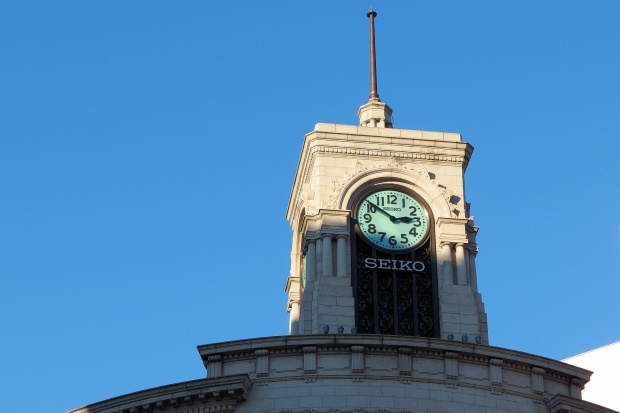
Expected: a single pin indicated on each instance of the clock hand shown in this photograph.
(392, 218)
(404, 219)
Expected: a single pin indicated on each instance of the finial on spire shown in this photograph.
(374, 114)
(374, 95)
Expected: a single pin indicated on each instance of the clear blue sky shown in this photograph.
(147, 151)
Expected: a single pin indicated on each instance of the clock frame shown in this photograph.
(391, 219)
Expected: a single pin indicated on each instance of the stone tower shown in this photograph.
(340, 277)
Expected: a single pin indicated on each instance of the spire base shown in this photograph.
(375, 114)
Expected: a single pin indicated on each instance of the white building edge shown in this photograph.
(604, 385)
(380, 337)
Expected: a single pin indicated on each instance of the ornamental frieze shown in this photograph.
(455, 202)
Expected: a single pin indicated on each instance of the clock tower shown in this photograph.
(383, 241)
(385, 314)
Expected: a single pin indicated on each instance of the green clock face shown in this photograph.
(392, 220)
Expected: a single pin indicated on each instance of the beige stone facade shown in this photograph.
(337, 163)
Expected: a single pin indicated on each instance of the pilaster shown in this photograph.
(328, 295)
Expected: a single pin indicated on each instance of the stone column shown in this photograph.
(446, 253)
(461, 267)
(293, 327)
(473, 276)
(319, 258)
(341, 256)
(328, 268)
(311, 261)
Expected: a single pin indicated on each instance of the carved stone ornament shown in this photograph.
(307, 195)
(455, 202)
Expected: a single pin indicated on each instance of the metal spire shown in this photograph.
(374, 114)
(374, 95)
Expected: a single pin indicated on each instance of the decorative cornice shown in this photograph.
(421, 347)
(206, 395)
(565, 404)
(386, 153)
(351, 410)
(346, 140)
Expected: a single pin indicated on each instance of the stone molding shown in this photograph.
(564, 404)
(411, 146)
(198, 396)
(353, 410)
(417, 359)
(325, 222)
(453, 231)
(413, 173)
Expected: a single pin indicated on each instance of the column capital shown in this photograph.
(451, 230)
(330, 236)
(339, 236)
(445, 244)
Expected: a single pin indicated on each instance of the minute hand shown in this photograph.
(392, 218)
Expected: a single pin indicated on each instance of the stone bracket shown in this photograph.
(452, 366)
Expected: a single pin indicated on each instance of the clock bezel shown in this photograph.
(370, 191)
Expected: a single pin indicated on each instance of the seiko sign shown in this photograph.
(399, 265)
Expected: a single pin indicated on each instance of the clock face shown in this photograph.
(392, 220)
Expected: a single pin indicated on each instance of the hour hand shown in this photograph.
(392, 218)
(404, 219)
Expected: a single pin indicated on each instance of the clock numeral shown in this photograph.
(367, 218)
(416, 222)
(404, 239)
(414, 210)
(382, 235)
(403, 202)
(372, 229)
(371, 208)
(392, 240)
(391, 199)
(413, 232)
